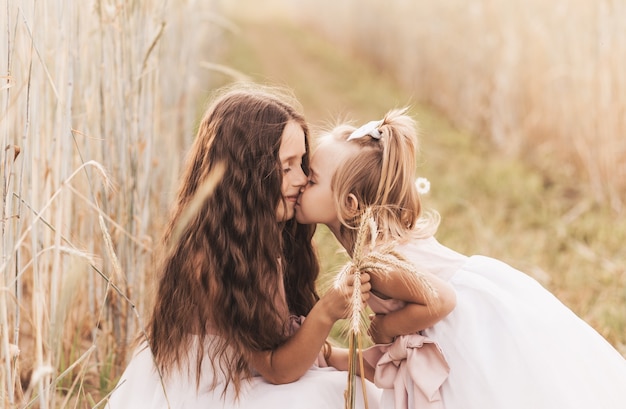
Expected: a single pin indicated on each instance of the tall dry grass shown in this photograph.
(98, 102)
(545, 80)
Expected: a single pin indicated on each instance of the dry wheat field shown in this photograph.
(99, 101)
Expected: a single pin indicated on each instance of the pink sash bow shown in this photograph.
(412, 361)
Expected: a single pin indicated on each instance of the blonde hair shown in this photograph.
(381, 175)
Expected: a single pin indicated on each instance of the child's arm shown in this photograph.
(419, 313)
(339, 360)
(291, 360)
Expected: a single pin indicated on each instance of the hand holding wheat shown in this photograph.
(367, 256)
(354, 271)
(338, 302)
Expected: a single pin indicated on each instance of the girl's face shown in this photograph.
(292, 150)
(316, 203)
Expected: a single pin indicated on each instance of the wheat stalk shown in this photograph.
(367, 257)
(355, 267)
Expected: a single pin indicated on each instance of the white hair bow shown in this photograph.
(370, 128)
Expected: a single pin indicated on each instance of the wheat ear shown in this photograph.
(367, 257)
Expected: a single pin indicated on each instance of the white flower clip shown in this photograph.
(423, 185)
(370, 128)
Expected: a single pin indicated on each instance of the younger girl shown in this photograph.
(493, 337)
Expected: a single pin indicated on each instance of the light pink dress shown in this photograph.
(320, 387)
(508, 344)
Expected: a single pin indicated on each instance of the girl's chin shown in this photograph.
(299, 218)
(284, 217)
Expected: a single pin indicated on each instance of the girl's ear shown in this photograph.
(352, 203)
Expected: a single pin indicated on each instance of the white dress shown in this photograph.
(509, 343)
(320, 387)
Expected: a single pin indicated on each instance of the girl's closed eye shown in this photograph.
(288, 166)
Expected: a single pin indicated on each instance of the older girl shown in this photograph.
(492, 337)
(238, 274)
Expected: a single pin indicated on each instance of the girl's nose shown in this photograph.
(302, 179)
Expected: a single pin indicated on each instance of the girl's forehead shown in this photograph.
(329, 153)
(326, 148)
(293, 143)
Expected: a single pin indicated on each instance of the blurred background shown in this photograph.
(521, 105)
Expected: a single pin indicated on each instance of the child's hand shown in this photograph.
(376, 330)
(338, 299)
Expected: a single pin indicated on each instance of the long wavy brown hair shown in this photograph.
(225, 262)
